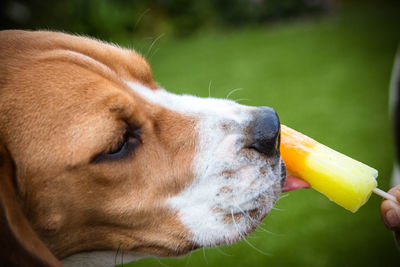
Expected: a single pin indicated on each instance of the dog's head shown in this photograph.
(101, 158)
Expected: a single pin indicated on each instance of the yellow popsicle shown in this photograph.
(342, 179)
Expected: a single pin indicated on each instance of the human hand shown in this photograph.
(390, 212)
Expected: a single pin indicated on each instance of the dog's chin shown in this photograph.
(254, 215)
(249, 215)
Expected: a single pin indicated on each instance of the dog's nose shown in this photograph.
(265, 134)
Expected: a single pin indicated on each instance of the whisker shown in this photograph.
(269, 232)
(262, 230)
(283, 196)
(278, 209)
(223, 252)
(141, 17)
(245, 240)
(204, 256)
(116, 255)
(188, 259)
(256, 249)
(232, 91)
(241, 99)
(152, 55)
(244, 213)
(153, 43)
(162, 263)
(209, 88)
(254, 221)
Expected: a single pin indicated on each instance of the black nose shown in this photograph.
(266, 132)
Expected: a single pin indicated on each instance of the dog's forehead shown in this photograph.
(43, 47)
(52, 69)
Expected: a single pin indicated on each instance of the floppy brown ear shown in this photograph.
(19, 244)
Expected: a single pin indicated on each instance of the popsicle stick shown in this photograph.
(383, 194)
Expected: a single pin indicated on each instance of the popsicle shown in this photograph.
(345, 181)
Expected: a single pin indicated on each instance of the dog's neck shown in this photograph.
(100, 258)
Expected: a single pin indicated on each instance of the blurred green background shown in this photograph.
(324, 65)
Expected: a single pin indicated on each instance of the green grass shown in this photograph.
(327, 78)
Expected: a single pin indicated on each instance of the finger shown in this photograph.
(397, 194)
(390, 212)
(393, 190)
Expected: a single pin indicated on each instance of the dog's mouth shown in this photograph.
(232, 205)
(258, 208)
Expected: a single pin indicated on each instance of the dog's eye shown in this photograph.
(119, 146)
(128, 141)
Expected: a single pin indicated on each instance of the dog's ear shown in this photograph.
(19, 244)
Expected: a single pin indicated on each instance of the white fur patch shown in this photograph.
(229, 179)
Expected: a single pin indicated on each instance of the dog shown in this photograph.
(96, 158)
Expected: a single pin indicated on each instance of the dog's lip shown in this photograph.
(294, 183)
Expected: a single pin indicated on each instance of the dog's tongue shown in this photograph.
(293, 183)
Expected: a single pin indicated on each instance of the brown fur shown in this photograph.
(63, 101)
